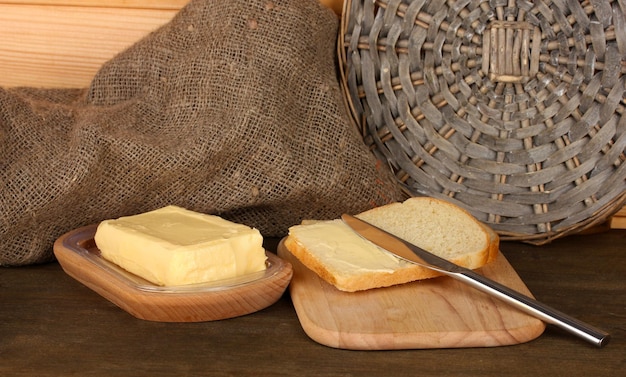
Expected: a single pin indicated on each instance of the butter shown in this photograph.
(174, 246)
(343, 250)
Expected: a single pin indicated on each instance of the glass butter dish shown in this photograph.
(79, 257)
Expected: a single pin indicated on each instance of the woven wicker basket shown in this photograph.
(511, 109)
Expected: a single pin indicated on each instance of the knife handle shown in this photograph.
(535, 308)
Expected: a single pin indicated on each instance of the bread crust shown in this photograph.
(494, 244)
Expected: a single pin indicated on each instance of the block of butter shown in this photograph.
(175, 246)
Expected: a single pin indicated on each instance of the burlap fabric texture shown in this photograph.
(232, 108)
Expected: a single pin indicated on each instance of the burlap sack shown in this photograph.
(233, 108)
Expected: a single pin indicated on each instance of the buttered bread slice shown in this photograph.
(175, 246)
(344, 259)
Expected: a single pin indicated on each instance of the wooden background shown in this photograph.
(62, 43)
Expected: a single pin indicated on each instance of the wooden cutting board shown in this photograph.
(433, 313)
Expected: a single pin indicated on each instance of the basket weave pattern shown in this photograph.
(511, 109)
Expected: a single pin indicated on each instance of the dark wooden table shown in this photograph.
(51, 325)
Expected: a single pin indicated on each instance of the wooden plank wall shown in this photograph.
(62, 44)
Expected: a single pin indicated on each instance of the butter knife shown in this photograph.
(412, 253)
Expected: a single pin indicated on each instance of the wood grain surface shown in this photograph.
(63, 43)
(52, 325)
(618, 221)
(432, 313)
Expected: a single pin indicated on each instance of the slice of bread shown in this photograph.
(344, 259)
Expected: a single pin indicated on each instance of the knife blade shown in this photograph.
(412, 253)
